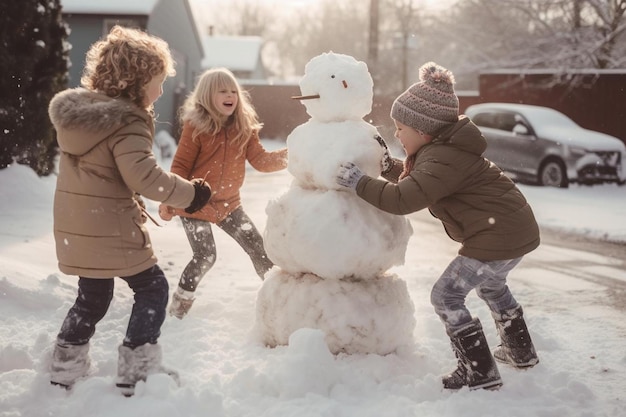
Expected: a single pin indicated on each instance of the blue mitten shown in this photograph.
(349, 175)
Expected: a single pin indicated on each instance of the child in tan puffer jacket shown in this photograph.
(105, 132)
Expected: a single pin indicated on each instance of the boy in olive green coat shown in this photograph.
(479, 207)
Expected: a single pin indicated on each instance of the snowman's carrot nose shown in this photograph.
(305, 97)
(345, 84)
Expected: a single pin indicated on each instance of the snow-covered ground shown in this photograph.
(578, 330)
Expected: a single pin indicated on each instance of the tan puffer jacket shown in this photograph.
(478, 205)
(106, 157)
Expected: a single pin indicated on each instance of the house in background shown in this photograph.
(170, 20)
(240, 54)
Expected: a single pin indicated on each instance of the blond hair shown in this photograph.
(200, 112)
(123, 63)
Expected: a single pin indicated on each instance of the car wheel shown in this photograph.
(552, 174)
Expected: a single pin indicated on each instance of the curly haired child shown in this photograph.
(105, 132)
(220, 133)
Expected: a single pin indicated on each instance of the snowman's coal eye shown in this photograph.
(332, 76)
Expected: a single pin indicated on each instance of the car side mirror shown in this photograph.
(521, 129)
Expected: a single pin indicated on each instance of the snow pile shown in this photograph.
(573, 300)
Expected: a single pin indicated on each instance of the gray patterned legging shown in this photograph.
(239, 226)
(465, 274)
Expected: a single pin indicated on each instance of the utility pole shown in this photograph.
(372, 55)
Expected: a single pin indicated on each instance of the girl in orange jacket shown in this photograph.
(220, 132)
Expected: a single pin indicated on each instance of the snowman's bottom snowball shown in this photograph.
(357, 316)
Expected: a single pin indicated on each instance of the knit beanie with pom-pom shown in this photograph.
(430, 104)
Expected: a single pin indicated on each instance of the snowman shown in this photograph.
(332, 250)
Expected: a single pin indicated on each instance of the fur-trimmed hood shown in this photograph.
(86, 118)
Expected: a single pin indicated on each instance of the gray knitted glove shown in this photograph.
(348, 175)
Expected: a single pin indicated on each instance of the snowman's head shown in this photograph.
(336, 87)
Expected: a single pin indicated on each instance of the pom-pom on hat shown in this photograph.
(430, 104)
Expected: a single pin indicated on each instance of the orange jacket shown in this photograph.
(218, 161)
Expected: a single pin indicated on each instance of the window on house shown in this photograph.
(181, 64)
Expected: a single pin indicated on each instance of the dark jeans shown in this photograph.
(94, 298)
(238, 226)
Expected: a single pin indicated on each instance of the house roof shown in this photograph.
(237, 53)
(112, 7)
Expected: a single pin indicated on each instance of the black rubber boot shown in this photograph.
(476, 368)
(516, 348)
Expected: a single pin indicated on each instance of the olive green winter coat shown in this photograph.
(478, 205)
(106, 157)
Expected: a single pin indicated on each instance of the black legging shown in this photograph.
(94, 298)
(239, 226)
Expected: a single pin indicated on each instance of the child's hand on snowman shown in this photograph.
(348, 175)
(387, 161)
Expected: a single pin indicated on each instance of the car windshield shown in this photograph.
(548, 118)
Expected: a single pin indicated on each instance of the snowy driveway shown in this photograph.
(581, 260)
(572, 295)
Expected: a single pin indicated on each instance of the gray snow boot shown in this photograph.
(182, 300)
(516, 348)
(476, 368)
(135, 365)
(69, 363)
